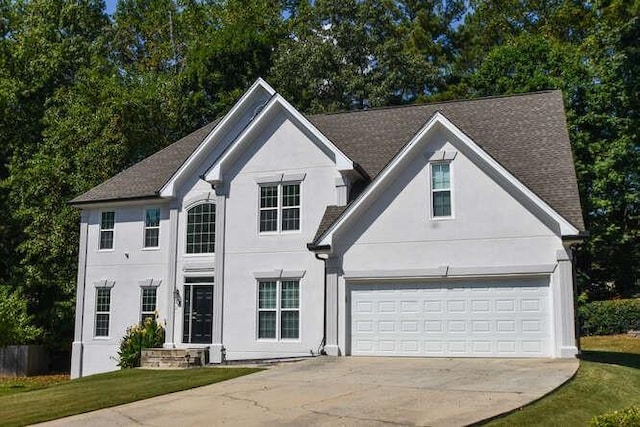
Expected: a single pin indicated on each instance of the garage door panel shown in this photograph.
(481, 319)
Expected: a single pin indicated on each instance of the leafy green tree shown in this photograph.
(15, 324)
(346, 54)
(597, 69)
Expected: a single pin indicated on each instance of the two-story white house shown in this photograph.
(429, 230)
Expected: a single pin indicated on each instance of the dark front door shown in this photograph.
(198, 314)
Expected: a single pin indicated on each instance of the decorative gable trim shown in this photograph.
(168, 190)
(215, 174)
(385, 177)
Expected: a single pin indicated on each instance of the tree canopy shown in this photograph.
(84, 95)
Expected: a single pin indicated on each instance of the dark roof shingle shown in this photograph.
(147, 177)
(527, 134)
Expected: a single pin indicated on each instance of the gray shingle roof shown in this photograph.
(147, 177)
(527, 134)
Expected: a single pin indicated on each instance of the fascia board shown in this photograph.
(343, 162)
(566, 228)
(214, 174)
(168, 189)
(378, 183)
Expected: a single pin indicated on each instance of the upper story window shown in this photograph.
(107, 224)
(201, 229)
(441, 190)
(152, 227)
(279, 207)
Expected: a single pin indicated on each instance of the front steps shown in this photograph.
(173, 358)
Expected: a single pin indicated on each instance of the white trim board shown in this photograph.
(215, 173)
(438, 120)
(168, 190)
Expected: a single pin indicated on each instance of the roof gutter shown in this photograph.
(322, 249)
(113, 200)
(576, 238)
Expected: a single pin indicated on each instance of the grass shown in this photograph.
(22, 384)
(608, 379)
(104, 390)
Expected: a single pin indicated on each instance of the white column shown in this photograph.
(564, 306)
(216, 352)
(171, 306)
(342, 190)
(77, 346)
(331, 345)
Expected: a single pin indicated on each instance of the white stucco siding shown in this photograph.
(282, 148)
(490, 234)
(489, 226)
(126, 267)
(240, 334)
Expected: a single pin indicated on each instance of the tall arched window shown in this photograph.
(201, 229)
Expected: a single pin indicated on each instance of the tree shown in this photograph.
(15, 324)
(597, 69)
(345, 54)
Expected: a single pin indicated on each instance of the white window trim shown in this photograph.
(279, 309)
(142, 312)
(145, 228)
(279, 207)
(113, 231)
(431, 191)
(185, 226)
(96, 313)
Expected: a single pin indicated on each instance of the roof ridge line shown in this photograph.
(434, 103)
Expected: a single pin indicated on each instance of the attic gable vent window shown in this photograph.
(441, 190)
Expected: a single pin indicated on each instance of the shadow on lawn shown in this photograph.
(630, 360)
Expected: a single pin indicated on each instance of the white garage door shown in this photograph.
(496, 318)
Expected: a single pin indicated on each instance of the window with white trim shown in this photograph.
(441, 190)
(103, 307)
(107, 226)
(201, 229)
(278, 309)
(279, 207)
(151, 227)
(148, 304)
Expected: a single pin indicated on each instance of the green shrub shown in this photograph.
(16, 326)
(149, 334)
(609, 317)
(629, 417)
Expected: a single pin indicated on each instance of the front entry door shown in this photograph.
(198, 314)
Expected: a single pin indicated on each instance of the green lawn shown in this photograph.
(608, 379)
(102, 391)
(21, 384)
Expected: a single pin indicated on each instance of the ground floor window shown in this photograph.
(103, 306)
(279, 309)
(198, 310)
(148, 306)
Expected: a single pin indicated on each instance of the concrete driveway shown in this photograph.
(350, 391)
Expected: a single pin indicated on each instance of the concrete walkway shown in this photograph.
(350, 391)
